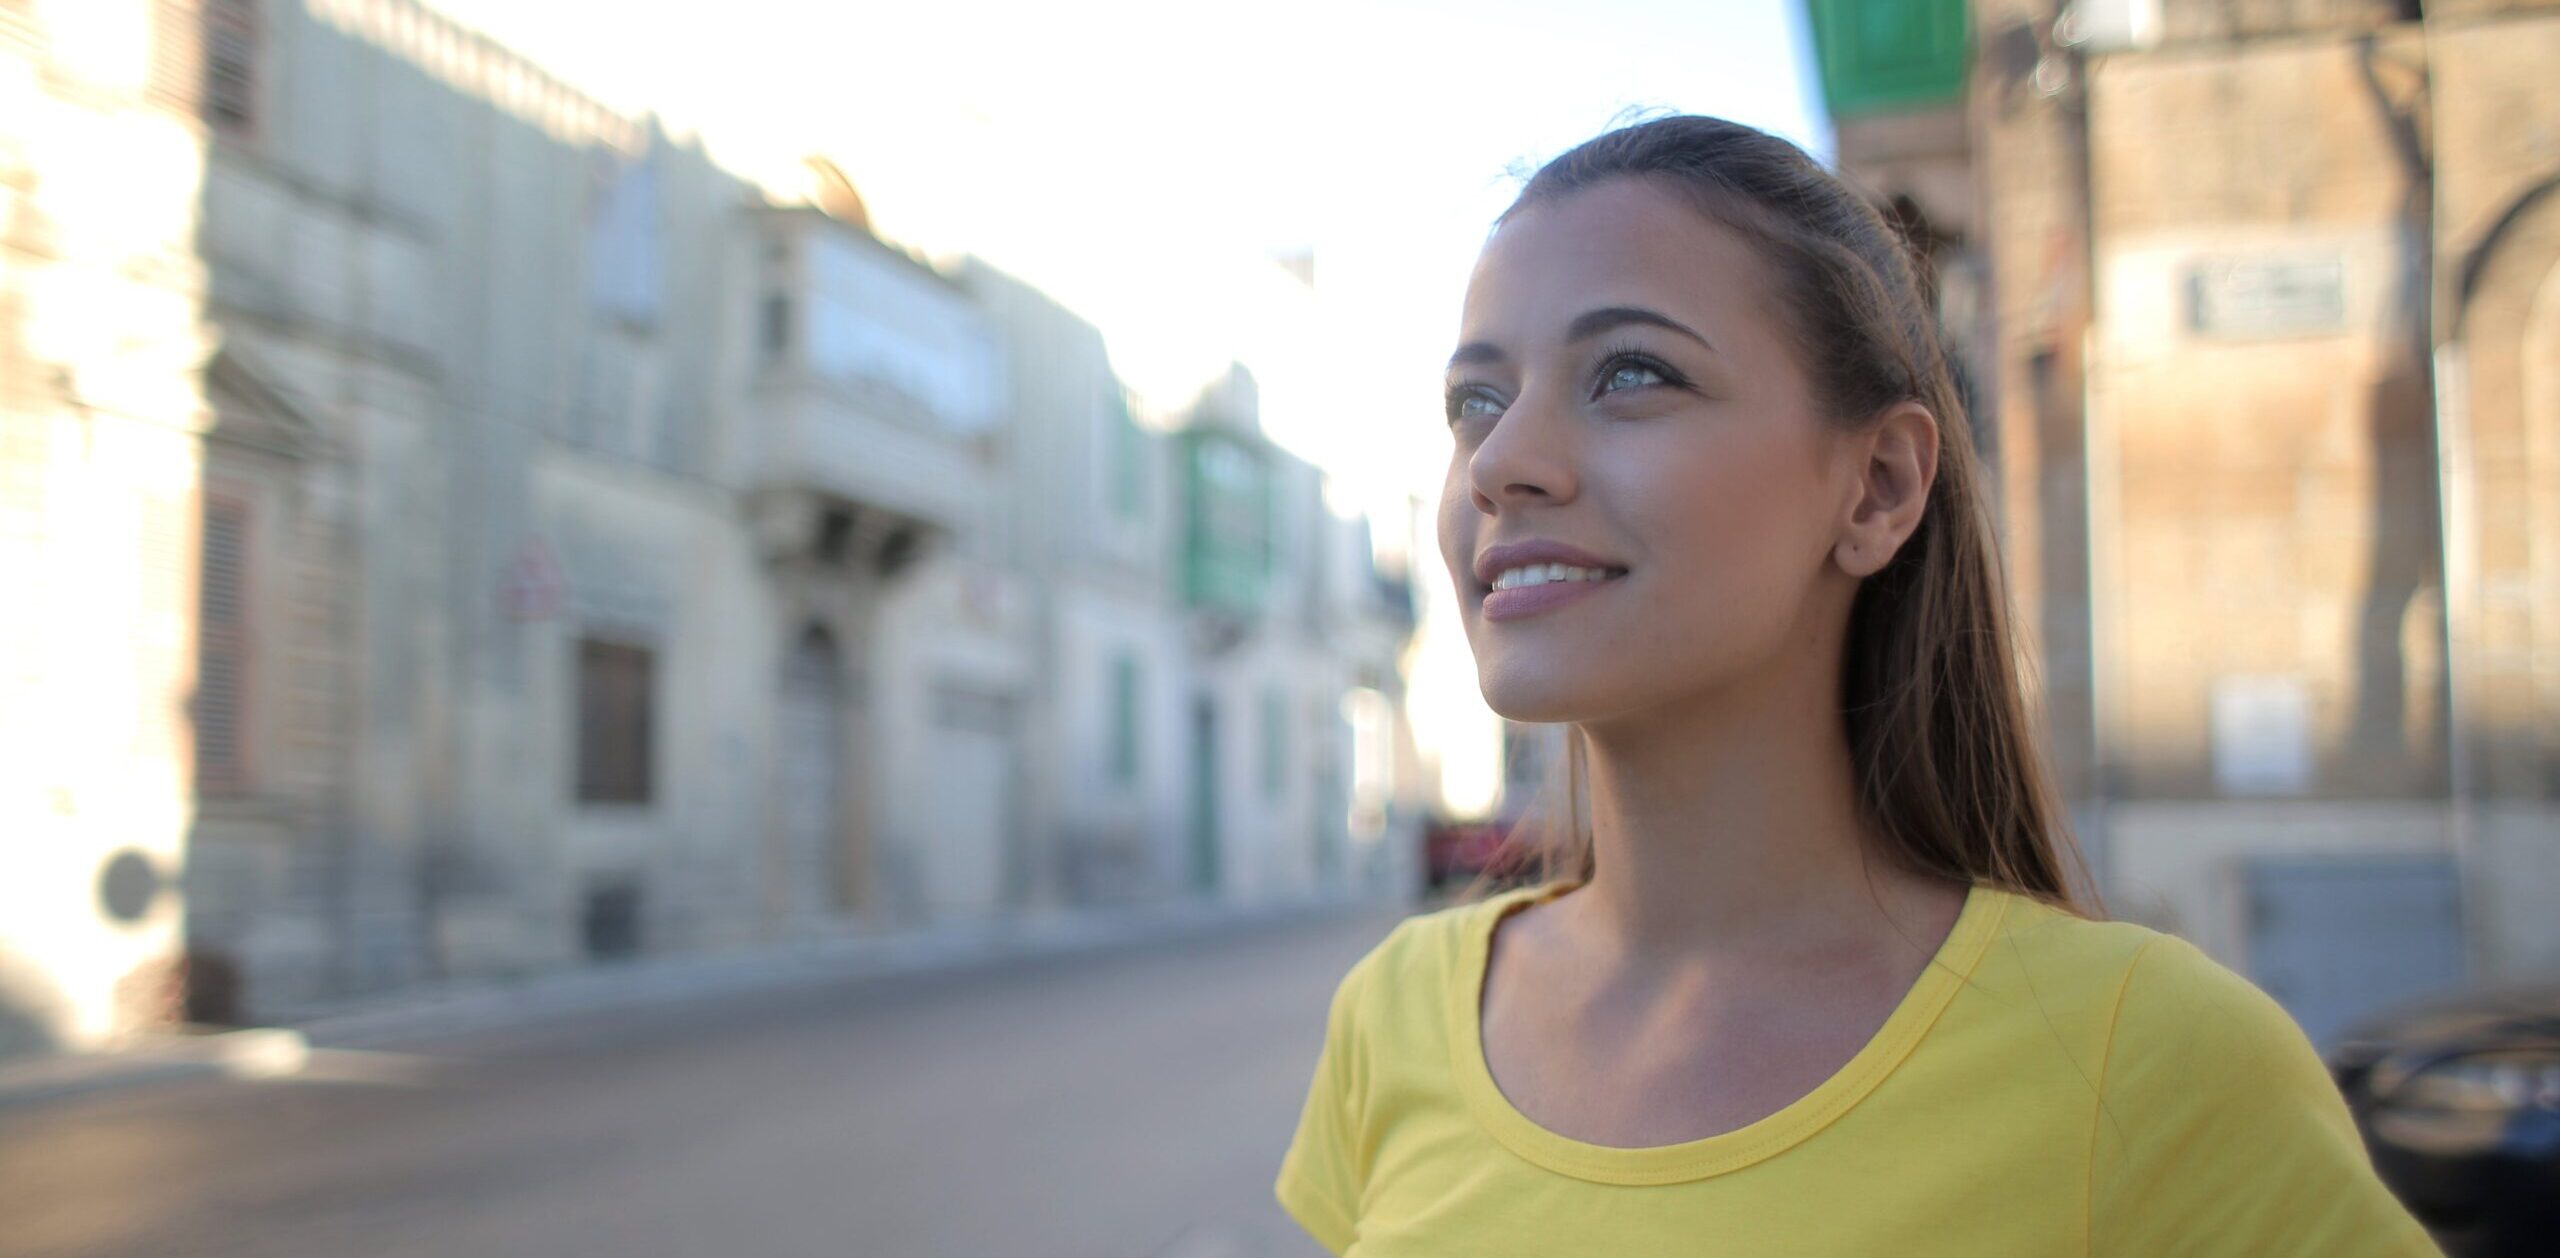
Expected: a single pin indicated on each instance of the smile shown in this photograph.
(1534, 588)
(1547, 574)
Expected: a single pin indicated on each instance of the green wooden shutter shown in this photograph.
(1880, 56)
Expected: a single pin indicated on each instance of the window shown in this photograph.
(222, 650)
(777, 326)
(230, 100)
(204, 62)
(614, 722)
(1275, 745)
(1124, 719)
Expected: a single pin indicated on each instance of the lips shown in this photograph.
(1543, 595)
(1529, 600)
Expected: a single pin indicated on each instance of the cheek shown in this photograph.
(1732, 529)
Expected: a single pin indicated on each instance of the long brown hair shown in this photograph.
(1944, 748)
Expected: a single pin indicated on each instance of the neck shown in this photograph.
(1733, 826)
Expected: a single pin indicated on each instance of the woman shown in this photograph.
(1819, 977)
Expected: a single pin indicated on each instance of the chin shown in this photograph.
(1543, 694)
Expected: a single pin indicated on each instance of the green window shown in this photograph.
(1227, 535)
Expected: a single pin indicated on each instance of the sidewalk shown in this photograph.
(470, 1008)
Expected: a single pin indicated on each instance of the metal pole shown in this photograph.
(2456, 549)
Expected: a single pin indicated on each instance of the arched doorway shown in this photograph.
(2508, 331)
(2507, 345)
(810, 785)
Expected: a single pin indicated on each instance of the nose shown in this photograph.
(1527, 458)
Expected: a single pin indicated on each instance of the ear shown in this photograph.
(1897, 461)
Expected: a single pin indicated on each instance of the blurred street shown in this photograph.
(1112, 1105)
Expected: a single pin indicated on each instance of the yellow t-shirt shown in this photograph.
(2050, 1085)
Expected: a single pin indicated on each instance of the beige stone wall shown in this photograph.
(2264, 514)
(2218, 20)
(2267, 516)
(2465, 10)
(1921, 155)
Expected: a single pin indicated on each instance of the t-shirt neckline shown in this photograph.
(1948, 970)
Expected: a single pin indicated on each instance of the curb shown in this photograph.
(250, 1053)
(464, 1009)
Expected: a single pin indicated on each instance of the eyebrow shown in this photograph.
(1591, 323)
(1588, 324)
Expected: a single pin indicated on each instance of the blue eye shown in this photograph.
(1471, 403)
(1629, 375)
(1624, 367)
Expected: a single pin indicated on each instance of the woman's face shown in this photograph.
(1623, 403)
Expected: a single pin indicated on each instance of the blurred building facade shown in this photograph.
(1216, 677)
(101, 381)
(472, 533)
(2259, 310)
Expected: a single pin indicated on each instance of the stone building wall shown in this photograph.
(2028, 169)
(2270, 533)
(101, 407)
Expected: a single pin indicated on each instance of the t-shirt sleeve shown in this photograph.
(2219, 1131)
(1320, 1176)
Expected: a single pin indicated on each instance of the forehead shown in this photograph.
(1624, 242)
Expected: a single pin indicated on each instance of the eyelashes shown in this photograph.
(1623, 366)
(1620, 358)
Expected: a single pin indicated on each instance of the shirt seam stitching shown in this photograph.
(2098, 1101)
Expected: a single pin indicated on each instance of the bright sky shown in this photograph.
(1139, 158)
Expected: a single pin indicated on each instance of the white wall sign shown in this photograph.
(2257, 296)
(2261, 735)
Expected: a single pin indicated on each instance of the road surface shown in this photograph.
(1126, 1104)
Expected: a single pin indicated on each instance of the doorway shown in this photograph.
(811, 787)
(1204, 796)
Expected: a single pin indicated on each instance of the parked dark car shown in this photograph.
(2459, 1101)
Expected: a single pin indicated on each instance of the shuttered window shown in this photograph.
(177, 55)
(205, 57)
(614, 722)
(222, 650)
(231, 66)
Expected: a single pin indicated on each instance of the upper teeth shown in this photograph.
(1542, 573)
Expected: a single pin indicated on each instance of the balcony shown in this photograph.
(877, 386)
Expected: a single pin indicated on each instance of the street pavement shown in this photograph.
(1125, 1103)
